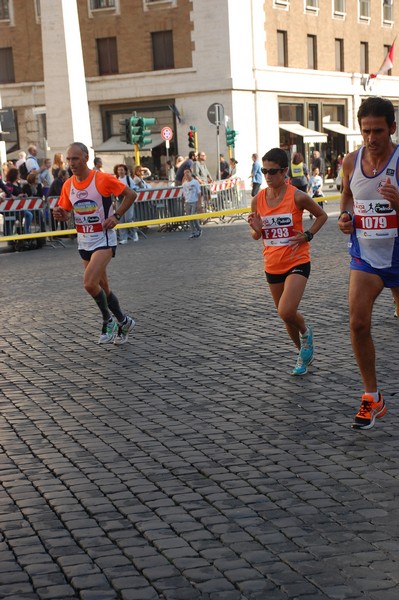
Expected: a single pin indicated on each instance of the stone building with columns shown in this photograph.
(289, 73)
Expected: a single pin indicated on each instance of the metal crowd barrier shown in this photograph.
(51, 224)
(23, 215)
(152, 204)
(160, 203)
(226, 194)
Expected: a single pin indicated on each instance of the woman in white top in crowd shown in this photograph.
(140, 173)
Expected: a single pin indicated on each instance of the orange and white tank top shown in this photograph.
(91, 209)
(279, 226)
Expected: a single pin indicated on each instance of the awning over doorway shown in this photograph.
(310, 136)
(339, 128)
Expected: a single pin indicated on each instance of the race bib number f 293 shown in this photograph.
(277, 230)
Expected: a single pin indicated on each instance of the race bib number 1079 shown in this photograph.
(375, 219)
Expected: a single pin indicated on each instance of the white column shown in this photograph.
(67, 109)
(3, 151)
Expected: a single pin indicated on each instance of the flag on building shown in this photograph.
(388, 62)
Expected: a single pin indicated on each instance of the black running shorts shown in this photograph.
(303, 269)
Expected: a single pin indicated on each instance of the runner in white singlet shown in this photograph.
(369, 214)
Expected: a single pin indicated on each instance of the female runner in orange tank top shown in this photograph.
(276, 217)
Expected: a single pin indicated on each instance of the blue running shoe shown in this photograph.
(300, 368)
(307, 350)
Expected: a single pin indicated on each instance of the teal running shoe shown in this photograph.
(300, 368)
(306, 352)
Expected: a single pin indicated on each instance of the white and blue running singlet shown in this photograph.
(375, 237)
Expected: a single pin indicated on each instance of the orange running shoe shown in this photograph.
(369, 411)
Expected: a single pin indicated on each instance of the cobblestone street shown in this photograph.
(188, 464)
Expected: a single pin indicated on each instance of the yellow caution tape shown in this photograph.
(182, 219)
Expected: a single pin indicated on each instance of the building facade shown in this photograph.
(289, 73)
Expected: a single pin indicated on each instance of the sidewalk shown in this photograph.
(188, 464)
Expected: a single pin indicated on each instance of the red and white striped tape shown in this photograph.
(159, 194)
(224, 184)
(52, 201)
(21, 204)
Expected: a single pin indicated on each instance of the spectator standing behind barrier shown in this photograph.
(58, 163)
(369, 214)
(188, 163)
(58, 182)
(21, 159)
(318, 163)
(256, 175)
(139, 174)
(276, 218)
(95, 221)
(12, 189)
(98, 164)
(46, 177)
(224, 167)
(33, 188)
(55, 190)
(203, 176)
(299, 173)
(200, 170)
(121, 172)
(316, 188)
(31, 161)
(233, 167)
(192, 197)
(170, 172)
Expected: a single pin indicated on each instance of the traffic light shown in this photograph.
(192, 138)
(231, 137)
(145, 122)
(124, 130)
(134, 130)
(138, 130)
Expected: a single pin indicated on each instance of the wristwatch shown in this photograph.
(308, 236)
(345, 212)
(117, 216)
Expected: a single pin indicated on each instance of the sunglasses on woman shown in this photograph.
(270, 171)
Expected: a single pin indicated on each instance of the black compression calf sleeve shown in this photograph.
(101, 301)
(113, 304)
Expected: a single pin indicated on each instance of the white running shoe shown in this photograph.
(108, 332)
(124, 330)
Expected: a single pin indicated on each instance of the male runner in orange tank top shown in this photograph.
(88, 194)
(277, 218)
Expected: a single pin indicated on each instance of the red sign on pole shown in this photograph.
(166, 133)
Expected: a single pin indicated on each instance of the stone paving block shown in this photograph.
(18, 590)
(183, 461)
(13, 577)
(148, 593)
(98, 595)
(182, 594)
